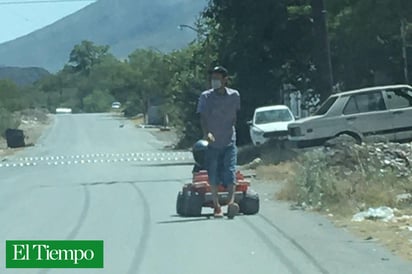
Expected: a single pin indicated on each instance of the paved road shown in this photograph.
(90, 179)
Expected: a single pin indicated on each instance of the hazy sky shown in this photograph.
(20, 19)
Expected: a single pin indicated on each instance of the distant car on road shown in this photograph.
(384, 111)
(270, 122)
(116, 105)
(63, 110)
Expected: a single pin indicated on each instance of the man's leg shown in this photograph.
(220, 169)
(229, 165)
(212, 171)
(229, 171)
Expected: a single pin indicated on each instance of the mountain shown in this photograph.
(124, 25)
(22, 76)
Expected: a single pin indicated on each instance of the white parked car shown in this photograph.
(384, 111)
(63, 110)
(116, 105)
(270, 122)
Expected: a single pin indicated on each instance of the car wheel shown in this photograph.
(180, 204)
(192, 204)
(344, 138)
(250, 204)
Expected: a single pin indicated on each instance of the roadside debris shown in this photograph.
(380, 157)
(405, 197)
(381, 213)
(393, 156)
(343, 178)
(254, 164)
(403, 218)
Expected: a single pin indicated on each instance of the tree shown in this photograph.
(256, 41)
(98, 101)
(366, 41)
(11, 97)
(85, 55)
(189, 69)
(324, 77)
(8, 120)
(151, 76)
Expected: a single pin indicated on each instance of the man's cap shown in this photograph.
(221, 70)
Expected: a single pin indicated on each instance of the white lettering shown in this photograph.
(53, 253)
(20, 252)
(91, 256)
(43, 251)
(67, 255)
(39, 253)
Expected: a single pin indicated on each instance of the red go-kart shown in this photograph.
(197, 194)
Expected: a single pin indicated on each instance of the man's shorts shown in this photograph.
(221, 165)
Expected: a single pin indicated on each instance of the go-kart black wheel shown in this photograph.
(180, 203)
(192, 204)
(249, 205)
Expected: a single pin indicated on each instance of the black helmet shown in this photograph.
(199, 152)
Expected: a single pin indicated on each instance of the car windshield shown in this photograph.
(272, 116)
(103, 101)
(324, 108)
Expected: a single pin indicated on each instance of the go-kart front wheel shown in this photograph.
(189, 204)
(180, 203)
(193, 203)
(249, 205)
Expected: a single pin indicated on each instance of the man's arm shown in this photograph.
(237, 102)
(203, 124)
(201, 109)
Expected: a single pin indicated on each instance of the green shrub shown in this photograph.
(98, 101)
(8, 120)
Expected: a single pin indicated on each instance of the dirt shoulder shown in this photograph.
(282, 184)
(168, 137)
(394, 235)
(33, 123)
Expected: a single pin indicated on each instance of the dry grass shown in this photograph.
(289, 192)
(138, 120)
(284, 174)
(343, 190)
(313, 180)
(279, 172)
(394, 236)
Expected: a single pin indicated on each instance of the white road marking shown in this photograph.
(96, 158)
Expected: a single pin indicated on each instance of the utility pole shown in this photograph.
(404, 53)
(324, 81)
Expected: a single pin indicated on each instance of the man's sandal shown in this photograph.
(218, 213)
(232, 210)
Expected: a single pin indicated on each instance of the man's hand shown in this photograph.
(209, 137)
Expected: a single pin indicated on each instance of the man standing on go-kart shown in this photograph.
(218, 109)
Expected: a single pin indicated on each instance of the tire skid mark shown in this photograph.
(82, 218)
(296, 244)
(276, 250)
(73, 233)
(138, 255)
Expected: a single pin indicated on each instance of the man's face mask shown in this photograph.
(216, 84)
